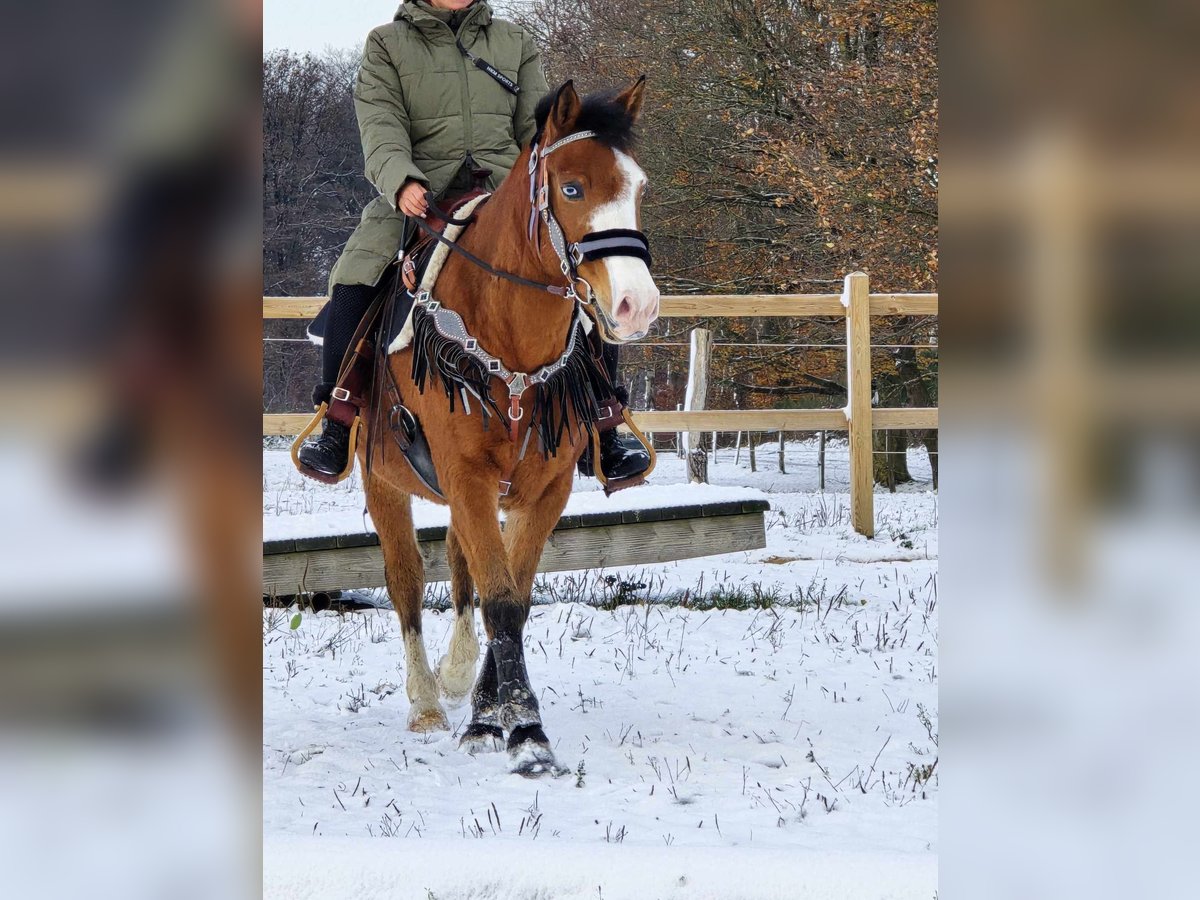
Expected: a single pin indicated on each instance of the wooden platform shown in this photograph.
(587, 541)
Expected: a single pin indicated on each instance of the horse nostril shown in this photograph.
(624, 309)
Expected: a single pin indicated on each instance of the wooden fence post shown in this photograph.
(694, 399)
(857, 299)
(782, 470)
(821, 460)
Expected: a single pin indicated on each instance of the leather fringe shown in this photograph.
(436, 358)
(578, 387)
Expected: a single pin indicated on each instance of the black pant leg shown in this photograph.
(347, 305)
(610, 356)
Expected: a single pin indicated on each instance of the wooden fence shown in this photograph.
(856, 303)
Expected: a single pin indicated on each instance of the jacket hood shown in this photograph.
(478, 14)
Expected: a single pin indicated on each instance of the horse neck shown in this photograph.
(524, 326)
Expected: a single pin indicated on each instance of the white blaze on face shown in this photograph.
(633, 292)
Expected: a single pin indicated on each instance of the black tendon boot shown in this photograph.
(329, 452)
(622, 456)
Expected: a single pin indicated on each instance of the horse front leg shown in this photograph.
(456, 670)
(525, 535)
(503, 698)
(485, 733)
(404, 570)
(530, 527)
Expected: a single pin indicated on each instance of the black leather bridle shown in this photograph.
(593, 245)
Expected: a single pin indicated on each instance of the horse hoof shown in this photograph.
(455, 682)
(533, 761)
(427, 720)
(530, 754)
(481, 739)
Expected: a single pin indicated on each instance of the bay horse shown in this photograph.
(563, 228)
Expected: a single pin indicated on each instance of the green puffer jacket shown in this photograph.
(423, 108)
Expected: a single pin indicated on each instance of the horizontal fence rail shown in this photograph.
(696, 305)
(855, 304)
(900, 419)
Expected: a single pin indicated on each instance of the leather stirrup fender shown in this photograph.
(346, 401)
(410, 438)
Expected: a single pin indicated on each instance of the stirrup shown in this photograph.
(611, 486)
(309, 429)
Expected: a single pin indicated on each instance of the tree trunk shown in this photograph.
(918, 395)
(698, 466)
(696, 397)
(821, 461)
(890, 462)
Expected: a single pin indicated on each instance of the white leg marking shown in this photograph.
(456, 671)
(425, 712)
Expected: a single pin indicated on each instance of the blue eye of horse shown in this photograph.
(572, 191)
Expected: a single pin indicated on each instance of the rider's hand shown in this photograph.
(411, 199)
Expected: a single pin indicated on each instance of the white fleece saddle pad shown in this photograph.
(434, 269)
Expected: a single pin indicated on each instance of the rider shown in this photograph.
(427, 117)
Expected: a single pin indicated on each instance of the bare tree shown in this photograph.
(314, 192)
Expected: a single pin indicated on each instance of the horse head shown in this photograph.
(591, 189)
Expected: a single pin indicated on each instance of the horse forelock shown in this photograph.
(601, 113)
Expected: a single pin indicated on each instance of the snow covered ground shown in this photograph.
(775, 738)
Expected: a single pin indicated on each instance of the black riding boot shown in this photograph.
(328, 452)
(621, 455)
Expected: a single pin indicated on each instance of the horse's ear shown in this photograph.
(631, 98)
(564, 111)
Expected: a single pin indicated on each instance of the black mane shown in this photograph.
(600, 113)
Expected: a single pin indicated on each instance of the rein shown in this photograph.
(567, 292)
(438, 212)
